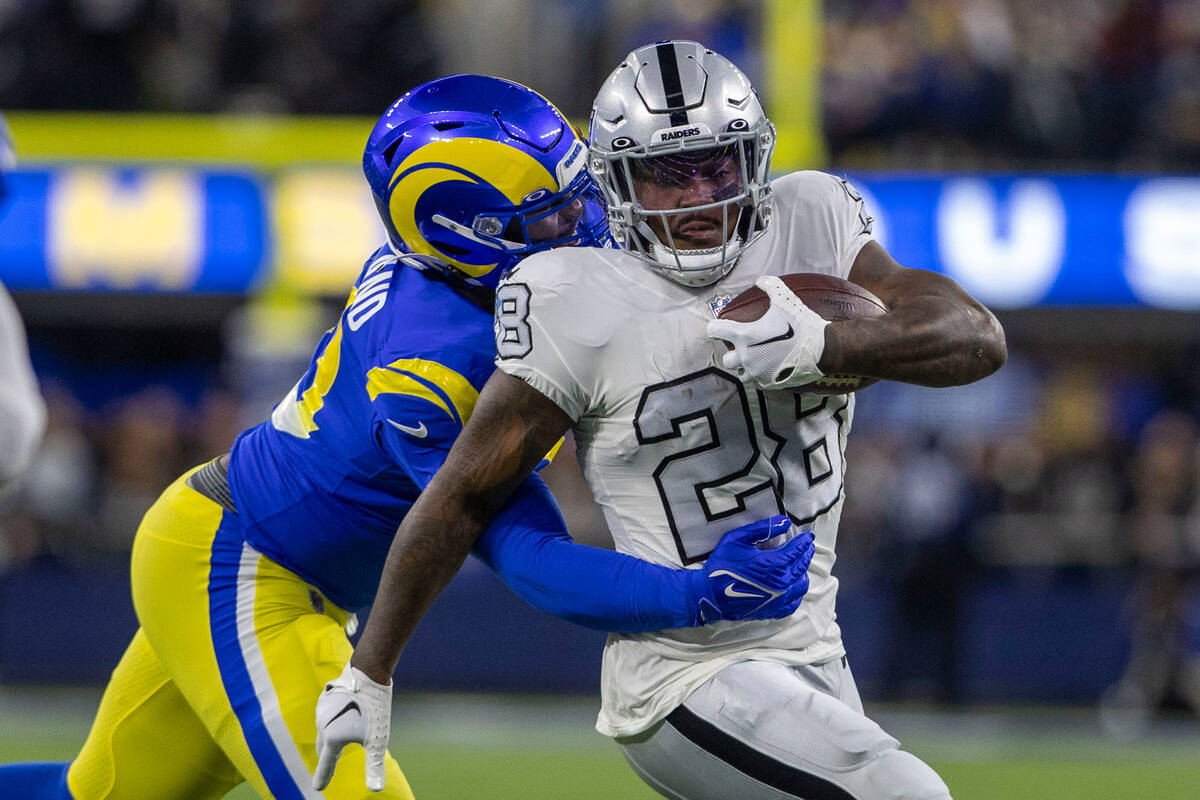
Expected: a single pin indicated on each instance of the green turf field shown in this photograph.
(455, 747)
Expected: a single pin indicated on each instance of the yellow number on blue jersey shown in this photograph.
(295, 413)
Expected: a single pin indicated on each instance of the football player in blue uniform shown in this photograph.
(247, 570)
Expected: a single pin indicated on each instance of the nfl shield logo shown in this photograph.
(719, 302)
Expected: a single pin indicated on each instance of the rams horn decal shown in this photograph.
(509, 171)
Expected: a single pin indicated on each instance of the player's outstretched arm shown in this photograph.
(934, 333)
(512, 428)
(528, 547)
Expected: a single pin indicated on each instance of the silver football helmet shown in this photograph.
(682, 150)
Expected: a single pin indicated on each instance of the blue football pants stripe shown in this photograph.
(235, 674)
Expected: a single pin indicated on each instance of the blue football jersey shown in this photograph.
(322, 486)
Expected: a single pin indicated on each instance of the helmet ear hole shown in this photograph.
(450, 249)
(390, 152)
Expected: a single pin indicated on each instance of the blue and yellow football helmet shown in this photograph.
(471, 174)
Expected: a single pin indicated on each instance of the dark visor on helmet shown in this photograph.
(568, 217)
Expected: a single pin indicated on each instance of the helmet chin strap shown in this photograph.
(692, 268)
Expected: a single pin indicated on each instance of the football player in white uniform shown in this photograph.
(22, 411)
(680, 436)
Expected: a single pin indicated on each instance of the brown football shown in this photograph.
(833, 298)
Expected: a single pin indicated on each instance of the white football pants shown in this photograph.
(763, 731)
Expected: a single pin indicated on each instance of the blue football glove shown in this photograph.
(742, 581)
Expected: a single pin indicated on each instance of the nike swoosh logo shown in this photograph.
(762, 594)
(789, 333)
(420, 431)
(732, 592)
(351, 706)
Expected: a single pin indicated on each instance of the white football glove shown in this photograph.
(353, 709)
(780, 349)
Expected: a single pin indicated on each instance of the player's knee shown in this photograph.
(897, 775)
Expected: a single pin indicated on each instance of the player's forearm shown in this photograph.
(430, 546)
(512, 428)
(931, 340)
(589, 586)
(427, 551)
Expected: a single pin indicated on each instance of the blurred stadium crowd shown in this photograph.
(1062, 463)
(982, 83)
(913, 83)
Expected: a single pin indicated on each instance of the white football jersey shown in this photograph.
(678, 451)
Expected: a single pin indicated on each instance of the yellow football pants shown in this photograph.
(220, 684)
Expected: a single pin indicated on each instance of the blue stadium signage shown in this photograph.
(1013, 241)
(1020, 241)
(134, 230)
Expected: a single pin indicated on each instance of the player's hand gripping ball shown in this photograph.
(831, 299)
